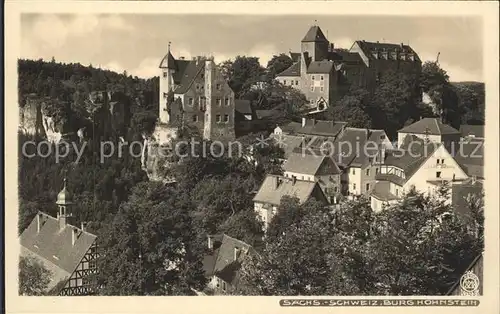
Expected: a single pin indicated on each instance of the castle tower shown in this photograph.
(209, 119)
(315, 44)
(167, 70)
(64, 201)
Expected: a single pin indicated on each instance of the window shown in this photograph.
(367, 172)
(226, 118)
(354, 186)
(376, 170)
(92, 264)
(296, 82)
(165, 95)
(438, 161)
(438, 174)
(336, 189)
(313, 77)
(321, 77)
(442, 161)
(218, 282)
(224, 286)
(217, 118)
(321, 88)
(218, 102)
(219, 87)
(195, 118)
(190, 101)
(312, 88)
(291, 83)
(353, 171)
(397, 192)
(368, 187)
(202, 75)
(197, 86)
(284, 82)
(227, 101)
(165, 74)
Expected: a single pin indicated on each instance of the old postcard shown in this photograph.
(286, 154)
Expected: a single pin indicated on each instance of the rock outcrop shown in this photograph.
(157, 151)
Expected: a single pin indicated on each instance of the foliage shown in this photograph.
(278, 64)
(149, 247)
(34, 278)
(352, 107)
(417, 246)
(242, 73)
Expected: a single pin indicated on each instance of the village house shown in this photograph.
(430, 154)
(68, 252)
(223, 262)
(195, 92)
(315, 168)
(472, 132)
(274, 187)
(324, 73)
(355, 151)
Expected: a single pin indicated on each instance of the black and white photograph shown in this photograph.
(232, 154)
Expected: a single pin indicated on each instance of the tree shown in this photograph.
(352, 107)
(244, 226)
(394, 101)
(34, 278)
(242, 73)
(278, 64)
(150, 248)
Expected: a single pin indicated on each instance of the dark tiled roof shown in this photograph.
(390, 178)
(220, 262)
(381, 191)
(295, 56)
(314, 34)
(54, 245)
(346, 56)
(315, 127)
(470, 156)
(350, 156)
(431, 126)
(472, 130)
(477, 268)
(243, 106)
(271, 192)
(311, 164)
(168, 61)
(187, 77)
(410, 160)
(324, 66)
(368, 47)
(293, 70)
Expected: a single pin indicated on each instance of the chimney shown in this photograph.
(236, 253)
(304, 122)
(83, 225)
(210, 242)
(332, 47)
(38, 222)
(74, 235)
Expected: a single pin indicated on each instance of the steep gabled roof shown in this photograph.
(186, 78)
(470, 156)
(275, 187)
(168, 62)
(311, 164)
(221, 260)
(293, 70)
(367, 48)
(314, 34)
(320, 67)
(431, 126)
(53, 246)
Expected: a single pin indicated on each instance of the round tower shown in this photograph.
(167, 69)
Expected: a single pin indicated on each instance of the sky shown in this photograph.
(137, 42)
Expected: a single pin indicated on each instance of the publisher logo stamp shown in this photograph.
(469, 284)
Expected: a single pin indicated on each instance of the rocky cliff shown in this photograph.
(157, 152)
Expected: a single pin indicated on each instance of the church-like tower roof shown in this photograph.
(314, 34)
(64, 197)
(168, 62)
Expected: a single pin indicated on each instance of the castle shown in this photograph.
(195, 92)
(324, 73)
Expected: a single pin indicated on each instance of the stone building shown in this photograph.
(324, 73)
(195, 92)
